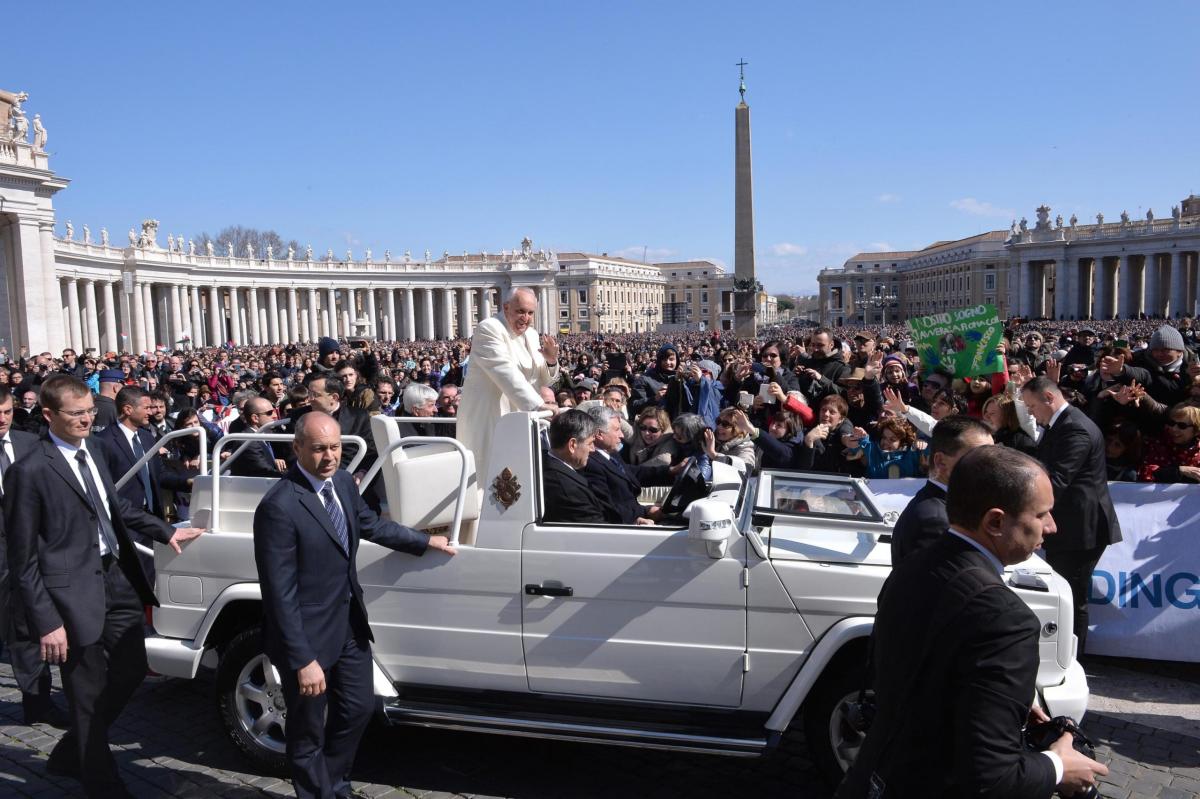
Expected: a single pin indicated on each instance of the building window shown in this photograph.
(583, 296)
(563, 297)
(989, 282)
(563, 313)
(583, 313)
(704, 297)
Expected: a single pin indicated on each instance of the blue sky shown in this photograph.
(608, 127)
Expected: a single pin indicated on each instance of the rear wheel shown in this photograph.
(250, 702)
(833, 723)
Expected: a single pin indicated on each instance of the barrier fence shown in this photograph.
(1145, 598)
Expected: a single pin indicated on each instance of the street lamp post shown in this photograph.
(878, 301)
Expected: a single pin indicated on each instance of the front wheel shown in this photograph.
(834, 724)
(250, 702)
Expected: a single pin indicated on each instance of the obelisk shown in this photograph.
(745, 285)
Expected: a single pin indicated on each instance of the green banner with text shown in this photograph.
(962, 342)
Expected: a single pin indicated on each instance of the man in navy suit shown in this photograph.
(78, 587)
(258, 459)
(1071, 448)
(568, 496)
(315, 631)
(924, 518)
(29, 670)
(619, 484)
(124, 445)
(956, 652)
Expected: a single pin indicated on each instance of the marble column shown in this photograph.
(197, 317)
(1083, 287)
(465, 313)
(273, 316)
(1063, 289)
(389, 316)
(349, 309)
(110, 317)
(313, 315)
(216, 317)
(427, 331)
(485, 303)
(331, 317)
(410, 320)
(446, 328)
(252, 329)
(148, 304)
(137, 320)
(372, 316)
(177, 324)
(74, 318)
(1126, 284)
(293, 316)
(41, 300)
(235, 316)
(1153, 281)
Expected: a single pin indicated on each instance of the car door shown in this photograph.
(635, 613)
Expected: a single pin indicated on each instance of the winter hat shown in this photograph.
(1167, 338)
(709, 366)
(326, 345)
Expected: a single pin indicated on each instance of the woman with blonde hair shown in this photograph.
(653, 442)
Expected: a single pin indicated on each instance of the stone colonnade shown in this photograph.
(102, 316)
(1102, 286)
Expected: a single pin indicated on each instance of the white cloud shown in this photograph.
(887, 197)
(650, 255)
(785, 248)
(969, 205)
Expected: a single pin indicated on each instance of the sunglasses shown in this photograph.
(645, 429)
(723, 423)
(1179, 425)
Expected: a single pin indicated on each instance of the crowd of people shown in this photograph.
(629, 410)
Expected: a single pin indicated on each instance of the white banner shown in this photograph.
(1145, 599)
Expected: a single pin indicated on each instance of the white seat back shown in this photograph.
(421, 481)
(239, 499)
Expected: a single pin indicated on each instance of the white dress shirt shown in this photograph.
(68, 451)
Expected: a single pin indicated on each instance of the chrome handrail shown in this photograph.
(413, 441)
(185, 431)
(230, 437)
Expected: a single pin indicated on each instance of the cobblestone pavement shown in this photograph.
(169, 743)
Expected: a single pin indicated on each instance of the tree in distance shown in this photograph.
(240, 236)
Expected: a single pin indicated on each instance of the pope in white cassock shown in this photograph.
(506, 369)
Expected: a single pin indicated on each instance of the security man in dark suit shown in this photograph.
(258, 459)
(124, 445)
(616, 483)
(956, 652)
(568, 496)
(111, 382)
(29, 670)
(306, 534)
(1071, 448)
(78, 580)
(923, 520)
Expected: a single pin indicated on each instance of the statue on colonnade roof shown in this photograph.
(10, 102)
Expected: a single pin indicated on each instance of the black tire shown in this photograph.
(832, 739)
(246, 692)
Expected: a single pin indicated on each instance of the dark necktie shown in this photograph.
(103, 523)
(144, 472)
(335, 515)
(4, 462)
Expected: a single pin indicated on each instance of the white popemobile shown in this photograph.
(722, 636)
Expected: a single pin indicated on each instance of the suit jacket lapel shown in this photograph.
(315, 506)
(59, 464)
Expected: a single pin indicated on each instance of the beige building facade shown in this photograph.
(606, 294)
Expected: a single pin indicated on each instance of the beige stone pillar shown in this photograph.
(74, 319)
(485, 303)
(148, 305)
(176, 325)
(331, 318)
(389, 316)
(313, 315)
(273, 335)
(465, 313)
(110, 317)
(410, 318)
(372, 317)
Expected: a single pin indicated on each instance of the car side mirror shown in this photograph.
(711, 521)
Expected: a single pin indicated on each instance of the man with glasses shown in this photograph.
(87, 617)
(258, 459)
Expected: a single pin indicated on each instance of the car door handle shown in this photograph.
(556, 589)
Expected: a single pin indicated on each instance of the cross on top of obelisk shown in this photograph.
(741, 65)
